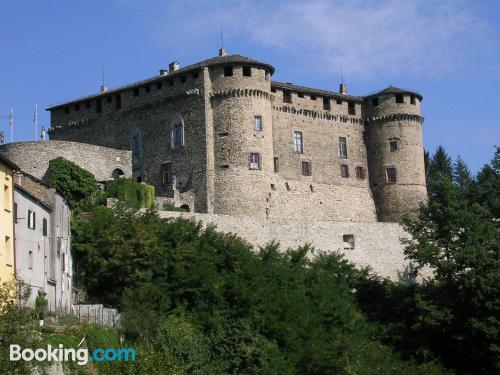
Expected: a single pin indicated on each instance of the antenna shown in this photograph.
(341, 74)
(221, 37)
(102, 76)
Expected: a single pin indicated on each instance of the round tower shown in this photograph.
(395, 152)
(243, 138)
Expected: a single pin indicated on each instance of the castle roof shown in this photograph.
(396, 90)
(319, 92)
(214, 61)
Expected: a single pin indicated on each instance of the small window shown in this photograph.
(118, 101)
(300, 94)
(223, 135)
(136, 92)
(351, 108)
(183, 79)
(343, 147)
(306, 168)
(273, 89)
(167, 175)
(297, 142)
(339, 101)
(311, 188)
(30, 259)
(98, 105)
(273, 187)
(326, 104)
(276, 164)
(108, 99)
(66, 109)
(313, 97)
(158, 85)
(287, 186)
(77, 107)
(344, 170)
(287, 96)
(170, 82)
(390, 174)
(31, 219)
(247, 71)
(393, 145)
(375, 102)
(400, 98)
(228, 71)
(87, 105)
(257, 123)
(348, 240)
(412, 99)
(254, 160)
(224, 166)
(177, 133)
(360, 173)
(44, 227)
(196, 75)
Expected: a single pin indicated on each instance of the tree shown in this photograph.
(461, 175)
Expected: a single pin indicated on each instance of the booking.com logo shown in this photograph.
(62, 354)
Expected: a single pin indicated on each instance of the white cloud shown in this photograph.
(419, 38)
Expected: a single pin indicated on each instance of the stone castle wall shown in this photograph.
(376, 245)
(34, 157)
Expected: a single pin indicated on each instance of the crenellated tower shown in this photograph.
(395, 152)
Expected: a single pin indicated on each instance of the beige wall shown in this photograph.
(6, 223)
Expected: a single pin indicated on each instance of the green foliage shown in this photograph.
(77, 184)
(134, 194)
(167, 206)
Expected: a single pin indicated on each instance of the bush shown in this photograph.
(134, 194)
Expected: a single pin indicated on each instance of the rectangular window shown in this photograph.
(196, 75)
(167, 174)
(159, 85)
(257, 123)
(326, 104)
(276, 164)
(400, 98)
(297, 142)
(66, 109)
(228, 71)
(30, 259)
(390, 174)
(77, 107)
(351, 108)
(31, 219)
(108, 99)
(375, 102)
(118, 101)
(343, 147)
(44, 229)
(412, 99)
(287, 96)
(136, 92)
(273, 89)
(147, 88)
(348, 240)
(98, 105)
(183, 79)
(87, 105)
(344, 170)
(306, 168)
(254, 161)
(300, 94)
(247, 71)
(393, 145)
(313, 97)
(339, 101)
(360, 173)
(170, 82)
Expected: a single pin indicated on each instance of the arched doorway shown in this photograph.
(185, 207)
(117, 173)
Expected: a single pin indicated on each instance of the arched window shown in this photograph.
(118, 173)
(177, 132)
(136, 145)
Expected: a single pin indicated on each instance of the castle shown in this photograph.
(221, 137)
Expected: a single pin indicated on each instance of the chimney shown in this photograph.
(343, 88)
(222, 52)
(104, 88)
(173, 66)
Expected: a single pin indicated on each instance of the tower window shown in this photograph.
(339, 101)
(360, 173)
(108, 99)
(196, 75)
(273, 89)
(351, 108)
(313, 97)
(167, 175)
(276, 164)
(170, 82)
(300, 94)
(136, 92)
(287, 96)
(348, 240)
(87, 105)
(390, 174)
(66, 109)
(297, 142)
(77, 107)
(254, 160)
(344, 170)
(158, 85)
(118, 101)
(177, 133)
(306, 168)
(228, 71)
(375, 102)
(257, 123)
(31, 219)
(400, 98)
(343, 147)
(412, 99)
(98, 105)
(393, 145)
(326, 104)
(247, 71)
(44, 227)
(183, 79)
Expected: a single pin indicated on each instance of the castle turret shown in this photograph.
(395, 152)
(243, 138)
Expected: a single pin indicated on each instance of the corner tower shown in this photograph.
(395, 152)
(240, 102)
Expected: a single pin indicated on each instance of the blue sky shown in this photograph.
(51, 51)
